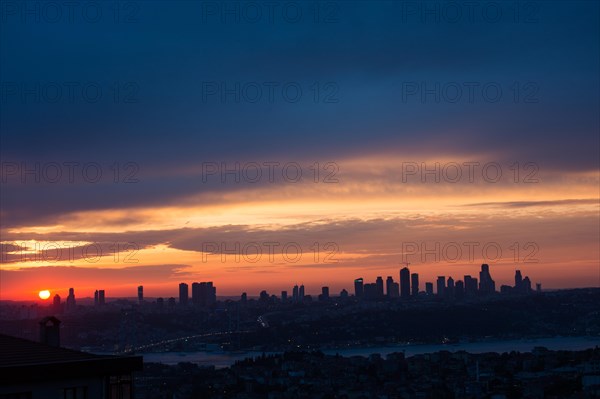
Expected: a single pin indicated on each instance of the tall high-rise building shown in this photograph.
(101, 298)
(71, 302)
(57, 306)
(526, 285)
(141, 294)
(388, 286)
(183, 294)
(486, 284)
(301, 293)
(204, 293)
(405, 282)
(441, 285)
(283, 296)
(359, 287)
(96, 298)
(196, 294)
(518, 280)
(414, 281)
(211, 294)
(324, 294)
(295, 293)
(470, 286)
(379, 284)
(429, 288)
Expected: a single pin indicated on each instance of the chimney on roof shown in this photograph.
(50, 331)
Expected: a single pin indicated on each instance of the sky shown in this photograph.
(260, 145)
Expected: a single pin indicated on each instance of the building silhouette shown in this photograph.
(183, 294)
(441, 285)
(518, 280)
(56, 304)
(392, 288)
(141, 294)
(405, 282)
(295, 293)
(486, 284)
(71, 302)
(101, 298)
(470, 286)
(204, 293)
(324, 294)
(414, 281)
(359, 287)
(379, 284)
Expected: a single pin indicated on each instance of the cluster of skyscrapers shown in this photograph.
(203, 294)
(408, 286)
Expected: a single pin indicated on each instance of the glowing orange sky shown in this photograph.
(367, 215)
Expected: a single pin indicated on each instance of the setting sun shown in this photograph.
(45, 294)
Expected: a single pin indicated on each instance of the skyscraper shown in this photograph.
(441, 285)
(301, 293)
(56, 305)
(183, 294)
(324, 294)
(96, 298)
(486, 284)
(470, 286)
(405, 282)
(414, 280)
(283, 296)
(211, 294)
(358, 287)
(379, 283)
(518, 280)
(526, 285)
(101, 298)
(141, 294)
(388, 286)
(196, 293)
(71, 303)
(295, 293)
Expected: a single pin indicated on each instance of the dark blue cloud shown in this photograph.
(155, 72)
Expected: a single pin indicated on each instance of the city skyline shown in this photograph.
(205, 293)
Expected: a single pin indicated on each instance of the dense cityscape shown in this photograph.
(390, 340)
(204, 294)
